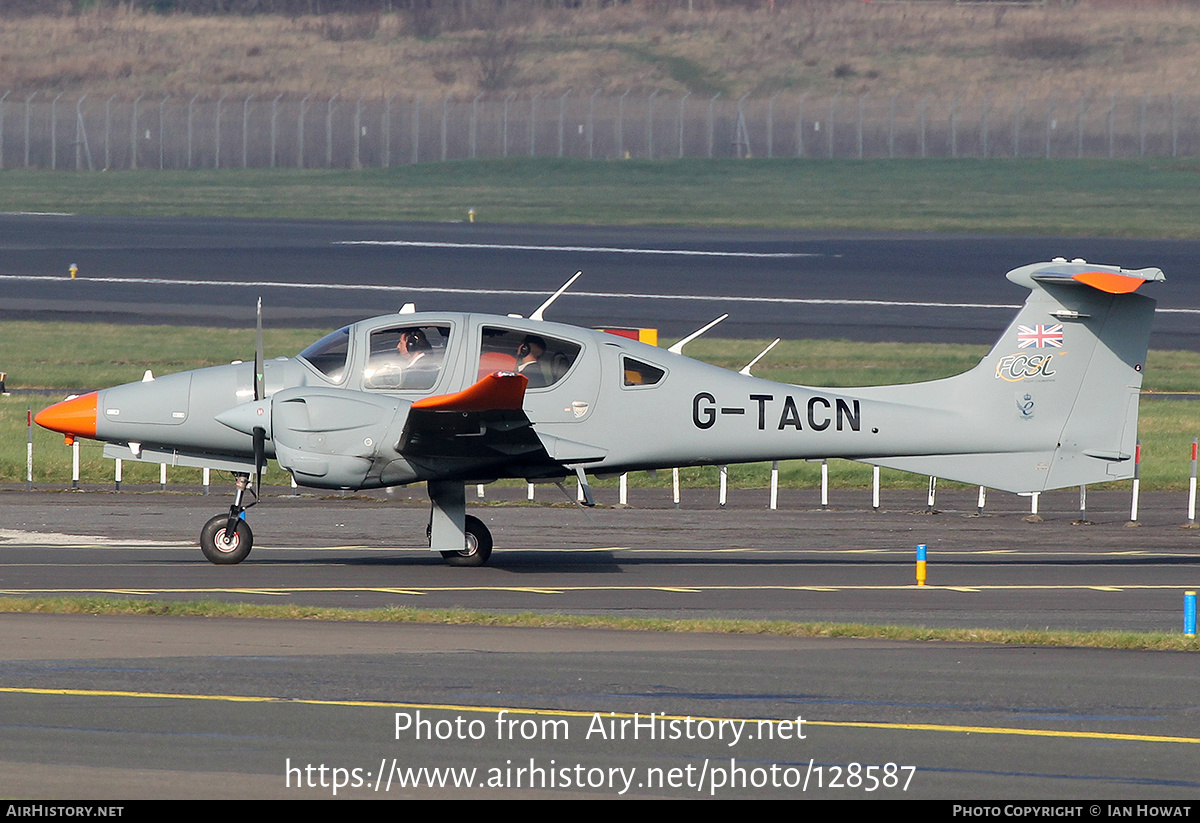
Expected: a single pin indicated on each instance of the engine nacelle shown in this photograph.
(339, 439)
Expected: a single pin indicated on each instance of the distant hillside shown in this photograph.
(524, 48)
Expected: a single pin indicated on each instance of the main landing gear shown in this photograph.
(478, 545)
(226, 539)
(463, 540)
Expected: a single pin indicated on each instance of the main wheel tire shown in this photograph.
(478, 548)
(219, 548)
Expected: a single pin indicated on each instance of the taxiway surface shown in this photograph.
(115, 707)
(122, 707)
(126, 707)
(798, 563)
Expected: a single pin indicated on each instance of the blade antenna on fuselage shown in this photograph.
(761, 355)
(537, 315)
(678, 347)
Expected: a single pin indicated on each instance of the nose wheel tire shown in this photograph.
(222, 548)
(478, 548)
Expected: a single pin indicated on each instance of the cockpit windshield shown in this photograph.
(328, 355)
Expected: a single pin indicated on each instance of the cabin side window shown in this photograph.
(544, 360)
(406, 358)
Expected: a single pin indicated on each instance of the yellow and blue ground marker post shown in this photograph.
(921, 565)
(1189, 614)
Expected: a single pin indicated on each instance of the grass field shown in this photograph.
(44, 355)
(1119, 198)
(1159, 641)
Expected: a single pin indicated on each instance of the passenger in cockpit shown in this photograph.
(530, 361)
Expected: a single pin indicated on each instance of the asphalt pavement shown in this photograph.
(796, 285)
(125, 707)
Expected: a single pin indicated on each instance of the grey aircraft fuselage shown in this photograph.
(693, 414)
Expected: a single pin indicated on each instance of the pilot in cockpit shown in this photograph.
(412, 363)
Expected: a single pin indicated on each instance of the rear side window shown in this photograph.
(544, 360)
(637, 373)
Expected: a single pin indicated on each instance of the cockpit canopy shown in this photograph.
(391, 355)
(329, 354)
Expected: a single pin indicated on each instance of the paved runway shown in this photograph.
(772, 283)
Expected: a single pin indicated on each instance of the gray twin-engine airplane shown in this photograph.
(459, 399)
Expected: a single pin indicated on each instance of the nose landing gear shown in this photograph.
(226, 538)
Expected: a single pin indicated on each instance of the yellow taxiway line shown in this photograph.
(847, 724)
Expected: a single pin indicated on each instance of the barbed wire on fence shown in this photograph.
(85, 133)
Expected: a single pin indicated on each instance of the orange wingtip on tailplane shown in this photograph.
(1109, 282)
(499, 390)
(76, 416)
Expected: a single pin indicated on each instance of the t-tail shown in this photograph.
(1055, 403)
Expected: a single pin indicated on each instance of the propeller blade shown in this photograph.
(260, 437)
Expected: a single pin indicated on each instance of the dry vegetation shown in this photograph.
(465, 48)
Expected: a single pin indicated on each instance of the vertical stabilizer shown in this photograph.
(1055, 402)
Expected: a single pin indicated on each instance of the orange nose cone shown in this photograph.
(75, 416)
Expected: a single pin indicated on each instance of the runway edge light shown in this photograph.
(921, 564)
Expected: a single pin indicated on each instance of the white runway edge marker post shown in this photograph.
(774, 504)
(1191, 509)
(1137, 480)
(824, 485)
(29, 451)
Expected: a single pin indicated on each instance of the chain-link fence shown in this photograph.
(40, 131)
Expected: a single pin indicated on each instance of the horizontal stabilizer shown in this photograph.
(1109, 279)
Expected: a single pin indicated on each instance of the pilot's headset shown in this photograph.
(525, 349)
(417, 341)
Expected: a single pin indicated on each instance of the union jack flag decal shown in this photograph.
(1039, 337)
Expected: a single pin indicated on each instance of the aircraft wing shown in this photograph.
(484, 428)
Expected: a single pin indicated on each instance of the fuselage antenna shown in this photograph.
(761, 355)
(537, 315)
(678, 347)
